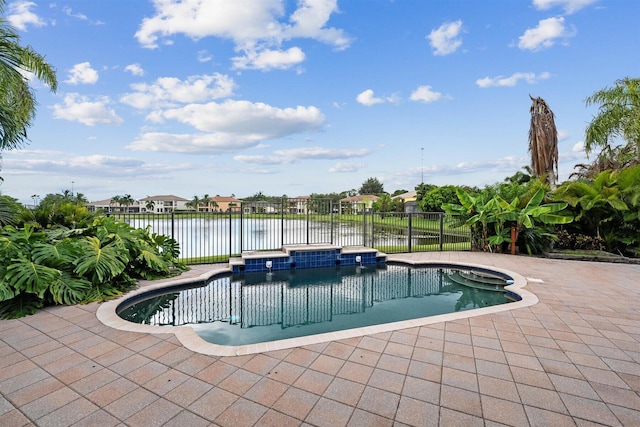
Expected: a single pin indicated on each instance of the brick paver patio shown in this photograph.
(572, 359)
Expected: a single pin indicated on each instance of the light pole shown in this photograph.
(422, 165)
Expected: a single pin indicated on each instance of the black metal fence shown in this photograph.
(207, 237)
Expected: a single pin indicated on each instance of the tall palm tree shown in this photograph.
(206, 200)
(194, 203)
(17, 102)
(543, 141)
(127, 201)
(116, 200)
(618, 117)
(80, 199)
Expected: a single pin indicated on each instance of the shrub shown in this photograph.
(68, 266)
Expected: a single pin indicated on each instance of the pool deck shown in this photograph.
(572, 359)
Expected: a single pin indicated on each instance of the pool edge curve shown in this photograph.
(188, 337)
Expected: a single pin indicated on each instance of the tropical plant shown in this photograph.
(80, 199)
(433, 200)
(606, 207)
(127, 201)
(618, 117)
(496, 216)
(62, 266)
(55, 210)
(17, 103)
(150, 205)
(383, 204)
(543, 141)
(116, 200)
(598, 200)
(12, 212)
(194, 203)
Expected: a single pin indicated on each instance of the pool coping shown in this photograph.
(188, 337)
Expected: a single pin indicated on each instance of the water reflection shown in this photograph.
(259, 307)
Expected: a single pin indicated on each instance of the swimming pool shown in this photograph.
(250, 308)
(187, 336)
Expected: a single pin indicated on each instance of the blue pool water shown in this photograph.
(249, 308)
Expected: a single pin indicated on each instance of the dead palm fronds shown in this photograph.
(543, 141)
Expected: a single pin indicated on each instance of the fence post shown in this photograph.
(441, 230)
(410, 231)
(308, 231)
(241, 226)
(230, 232)
(282, 222)
(172, 224)
(331, 219)
(364, 225)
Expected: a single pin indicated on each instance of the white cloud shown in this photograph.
(545, 34)
(82, 74)
(512, 80)
(80, 16)
(578, 147)
(569, 6)
(261, 159)
(269, 59)
(170, 91)
(321, 153)
(19, 15)
(212, 143)
(444, 40)
(287, 156)
(257, 27)
(93, 165)
(310, 19)
(562, 135)
(204, 56)
(77, 108)
(228, 126)
(135, 69)
(425, 94)
(346, 167)
(367, 98)
(245, 118)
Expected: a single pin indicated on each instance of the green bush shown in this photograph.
(40, 266)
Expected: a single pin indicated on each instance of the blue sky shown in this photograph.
(311, 96)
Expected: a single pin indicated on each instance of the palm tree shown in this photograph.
(150, 205)
(115, 200)
(194, 203)
(618, 117)
(127, 201)
(17, 103)
(543, 141)
(206, 200)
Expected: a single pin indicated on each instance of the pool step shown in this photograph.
(478, 280)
